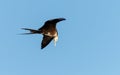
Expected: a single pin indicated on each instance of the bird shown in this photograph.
(48, 30)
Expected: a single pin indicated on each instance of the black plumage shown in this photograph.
(48, 30)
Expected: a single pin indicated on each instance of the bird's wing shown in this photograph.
(46, 40)
(47, 25)
(51, 22)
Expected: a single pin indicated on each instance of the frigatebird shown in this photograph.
(48, 30)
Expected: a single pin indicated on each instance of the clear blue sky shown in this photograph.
(89, 40)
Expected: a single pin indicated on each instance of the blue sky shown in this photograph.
(89, 40)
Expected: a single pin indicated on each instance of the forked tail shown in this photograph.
(32, 31)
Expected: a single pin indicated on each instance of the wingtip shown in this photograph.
(42, 47)
(62, 19)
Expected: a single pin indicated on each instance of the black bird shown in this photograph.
(48, 30)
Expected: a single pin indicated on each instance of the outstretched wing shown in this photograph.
(51, 23)
(46, 40)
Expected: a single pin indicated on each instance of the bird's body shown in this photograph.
(48, 30)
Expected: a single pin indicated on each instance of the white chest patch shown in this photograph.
(55, 37)
(48, 34)
(55, 40)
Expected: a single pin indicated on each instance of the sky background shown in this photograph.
(89, 39)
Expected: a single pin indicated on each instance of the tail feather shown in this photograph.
(32, 31)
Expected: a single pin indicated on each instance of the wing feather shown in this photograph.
(46, 40)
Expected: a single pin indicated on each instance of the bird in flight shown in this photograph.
(48, 30)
